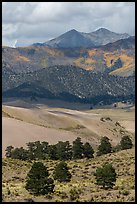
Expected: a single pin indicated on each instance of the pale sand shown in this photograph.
(18, 133)
(29, 126)
(129, 125)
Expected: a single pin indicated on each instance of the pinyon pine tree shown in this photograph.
(105, 176)
(105, 146)
(88, 150)
(38, 181)
(61, 172)
(77, 149)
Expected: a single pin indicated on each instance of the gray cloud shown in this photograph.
(30, 22)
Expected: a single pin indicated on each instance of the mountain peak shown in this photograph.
(102, 30)
(73, 31)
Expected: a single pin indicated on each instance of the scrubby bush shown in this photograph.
(74, 194)
(9, 150)
(126, 142)
(116, 148)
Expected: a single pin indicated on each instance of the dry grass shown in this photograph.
(83, 180)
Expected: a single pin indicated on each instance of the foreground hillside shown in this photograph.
(83, 180)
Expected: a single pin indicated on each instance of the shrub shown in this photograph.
(38, 181)
(63, 195)
(61, 172)
(125, 192)
(126, 142)
(9, 150)
(74, 194)
(29, 200)
(116, 148)
(105, 176)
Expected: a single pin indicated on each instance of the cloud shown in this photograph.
(30, 22)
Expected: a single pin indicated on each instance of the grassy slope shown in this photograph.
(14, 173)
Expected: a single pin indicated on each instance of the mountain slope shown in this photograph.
(70, 39)
(101, 59)
(69, 83)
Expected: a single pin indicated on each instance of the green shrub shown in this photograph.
(125, 192)
(126, 142)
(74, 194)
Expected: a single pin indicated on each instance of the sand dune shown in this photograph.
(24, 124)
(18, 133)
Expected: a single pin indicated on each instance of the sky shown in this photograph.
(25, 23)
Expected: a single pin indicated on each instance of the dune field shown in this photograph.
(23, 122)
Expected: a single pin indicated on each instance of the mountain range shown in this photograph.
(76, 39)
(75, 67)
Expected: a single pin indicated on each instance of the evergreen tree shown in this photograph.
(105, 176)
(64, 151)
(126, 142)
(77, 149)
(105, 146)
(38, 153)
(38, 181)
(52, 152)
(44, 147)
(61, 172)
(9, 150)
(88, 150)
(19, 153)
(31, 150)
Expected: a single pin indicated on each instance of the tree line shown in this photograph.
(64, 150)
